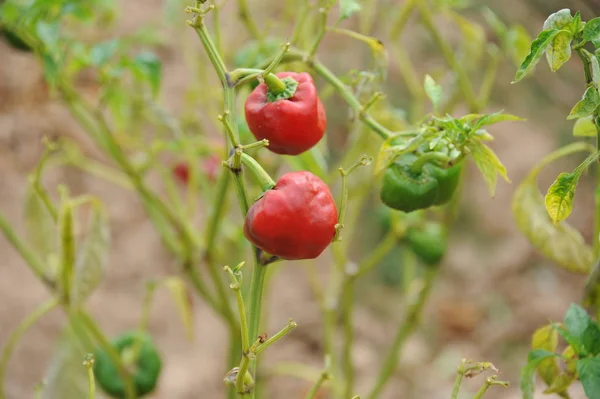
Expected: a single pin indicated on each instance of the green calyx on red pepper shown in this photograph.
(428, 241)
(145, 369)
(287, 111)
(414, 182)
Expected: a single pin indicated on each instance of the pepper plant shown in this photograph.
(316, 207)
(542, 219)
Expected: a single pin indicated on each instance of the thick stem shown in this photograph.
(418, 165)
(275, 85)
(265, 181)
(406, 327)
(18, 333)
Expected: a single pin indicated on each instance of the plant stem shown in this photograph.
(458, 380)
(462, 76)
(352, 101)
(402, 19)
(265, 181)
(280, 334)
(93, 329)
(18, 333)
(34, 263)
(418, 165)
(315, 388)
(248, 20)
(237, 288)
(348, 323)
(89, 365)
(408, 324)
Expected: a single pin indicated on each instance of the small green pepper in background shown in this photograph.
(147, 367)
(408, 188)
(428, 241)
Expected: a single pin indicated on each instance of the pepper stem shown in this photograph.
(417, 166)
(265, 181)
(275, 85)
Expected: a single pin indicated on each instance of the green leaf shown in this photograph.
(517, 44)
(489, 119)
(101, 53)
(538, 48)
(66, 376)
(559, 199)
(587, 105)
(348, 8)
(51, 69)
(67, 248)
(433, 91)
(560, 384)
(561, 243)
(558, 20)
(591, 338)
(576, 323)
(591, 31)
(48, 33)
(392, 149)
(585, 127)
(589, 375)
(488, 163)
(92, 259)
(534, 359)
(595, 70)
(40, 227)
(182, 299)
(148, 65)
(546, 338)
(560, 50)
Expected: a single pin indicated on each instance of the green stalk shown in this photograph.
(315, 388)
(450, 57)
(18, 333)
(248, 20)
(406, 327)
(92, 328)
(402, 19)
(352, 101)
(418, 165)
(34, 263)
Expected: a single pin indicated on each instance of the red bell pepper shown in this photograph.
(292, 118)
(294, 220)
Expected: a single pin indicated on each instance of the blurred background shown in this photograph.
(494, 289)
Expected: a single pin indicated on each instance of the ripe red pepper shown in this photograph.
(292, 125)
(181, 171)
(210, 167)
(294, 220)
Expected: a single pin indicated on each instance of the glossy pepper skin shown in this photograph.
(428, 242)
(292, 125)
(147, 371)
(294, 220)
(407, 191)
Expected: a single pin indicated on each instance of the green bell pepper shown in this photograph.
(147, 366)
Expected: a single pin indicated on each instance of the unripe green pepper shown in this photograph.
(147, 366)
(428, 241)
(408, 186)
